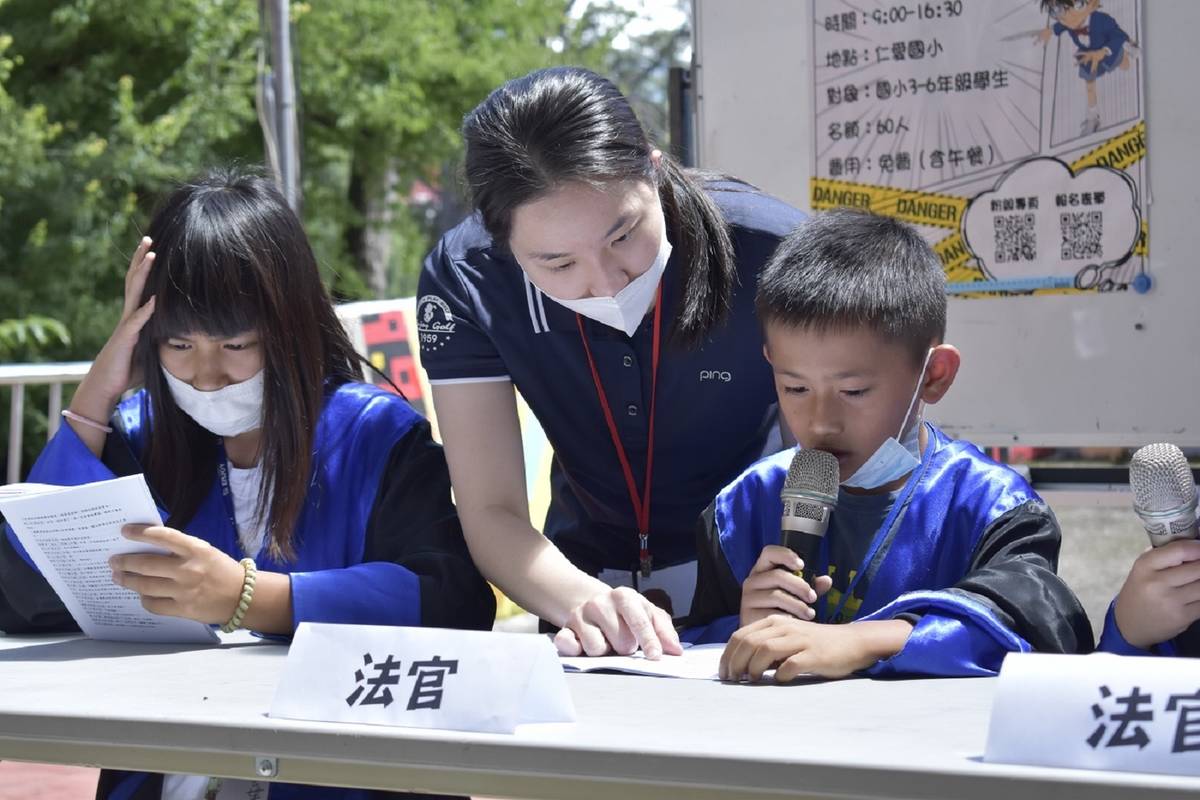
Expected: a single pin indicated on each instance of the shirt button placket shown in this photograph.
(633, 394)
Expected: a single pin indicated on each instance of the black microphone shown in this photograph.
(810, 494)
(1164, 497)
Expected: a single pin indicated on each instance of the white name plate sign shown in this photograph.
(422, 678)
(1097, 712)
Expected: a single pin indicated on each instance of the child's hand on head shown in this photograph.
(1161, 595)
(113, 369)
(795, 647)
(774, 586)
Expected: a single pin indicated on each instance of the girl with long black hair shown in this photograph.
(278, 468)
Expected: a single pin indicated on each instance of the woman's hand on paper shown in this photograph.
(195, 580)
(617, 620)
(774, 586)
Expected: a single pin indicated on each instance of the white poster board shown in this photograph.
(1058, 366)
(1012, 137)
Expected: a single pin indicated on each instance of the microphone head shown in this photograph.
(813, 473)
(1161, 478)
(1164, 493)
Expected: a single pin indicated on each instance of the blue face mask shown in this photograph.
(894, 458)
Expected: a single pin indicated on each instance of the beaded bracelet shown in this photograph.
(235, 621)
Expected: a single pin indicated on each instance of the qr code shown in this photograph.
(1016, 237)
(1082, 233)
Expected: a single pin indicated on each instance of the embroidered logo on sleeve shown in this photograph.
(435, 323)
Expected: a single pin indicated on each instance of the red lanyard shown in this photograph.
(641, 505)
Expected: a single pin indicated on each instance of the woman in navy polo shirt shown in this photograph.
(615, 291)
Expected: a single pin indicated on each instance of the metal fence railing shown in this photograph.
(18, 376)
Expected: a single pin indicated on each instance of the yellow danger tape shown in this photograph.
(956, 260)
(1142, 248)
(1120, 152)
(921, 208)
(945, 211)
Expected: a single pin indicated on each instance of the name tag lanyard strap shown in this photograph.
(641, 505)
(227, 499)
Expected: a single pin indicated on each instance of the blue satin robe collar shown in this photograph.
(346, 474)
(946, 505)
(940, 515)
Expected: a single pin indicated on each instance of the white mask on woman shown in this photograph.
(626, 310)
(228, 411)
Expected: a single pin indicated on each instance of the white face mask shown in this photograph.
(894, 459)
(628, 308)
(228, 411)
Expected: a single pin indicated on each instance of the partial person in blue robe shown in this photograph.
(1157, 612)
(259, 441)
(937, 560)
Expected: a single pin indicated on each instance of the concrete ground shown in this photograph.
(1099, 544)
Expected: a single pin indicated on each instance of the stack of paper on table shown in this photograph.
(699, 662)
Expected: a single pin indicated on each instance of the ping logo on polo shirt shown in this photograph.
(715, 375)
(435, 324)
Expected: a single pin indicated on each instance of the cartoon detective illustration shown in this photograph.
(1101, 46)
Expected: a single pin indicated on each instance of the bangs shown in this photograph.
(205, 279)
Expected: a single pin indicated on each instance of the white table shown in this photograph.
(169, 709)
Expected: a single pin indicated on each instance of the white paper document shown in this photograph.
(70, 532)
(697, 663)
(422, 678)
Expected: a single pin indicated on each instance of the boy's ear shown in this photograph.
(940, 374)
(766, 353)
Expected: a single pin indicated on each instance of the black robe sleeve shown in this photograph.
(1013, 572)
(413, 523)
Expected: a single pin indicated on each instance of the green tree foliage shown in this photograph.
(17, 335)
(104, 104)
(112, 101)
(384, 85)
(641, 70)
(136, 94)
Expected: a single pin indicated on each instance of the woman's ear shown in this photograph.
(656, 158)
(944, 362)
